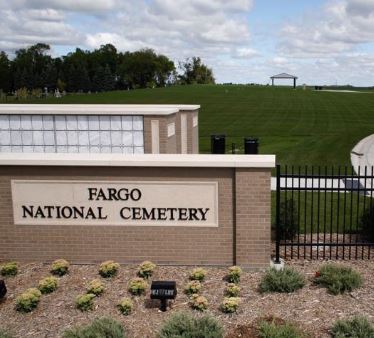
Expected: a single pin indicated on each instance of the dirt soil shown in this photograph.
(311, 308)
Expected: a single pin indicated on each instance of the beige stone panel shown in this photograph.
(107, 200)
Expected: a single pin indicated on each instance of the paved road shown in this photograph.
(363, 153)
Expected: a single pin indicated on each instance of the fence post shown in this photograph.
(277, 217)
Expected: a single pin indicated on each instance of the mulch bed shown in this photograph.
(311, 308)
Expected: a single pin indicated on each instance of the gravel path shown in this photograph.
(312, 308)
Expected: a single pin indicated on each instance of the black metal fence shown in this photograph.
(324, 213)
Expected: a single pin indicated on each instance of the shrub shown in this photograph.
(198, 302)
(338, 279)
(185, 325)
(285, 280)
(288, 219)
(85, 302)
(232, 290)
(276, 330)
(230, 304)
(28, 300)
(137, 286)
(99, 328)
(234, 274)
(60, 267)
(357, 327)
(9, 269)
(366, 224)
(5, 334)
(192, 287)
(48, 284)
(146, 269)
(198, 274)
(95, 287)
(108, 269)
(125, 306)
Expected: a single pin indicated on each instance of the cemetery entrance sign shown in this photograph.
(153, 203)
(183, 209)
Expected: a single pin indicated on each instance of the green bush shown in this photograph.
(357, 327)
(187, 326)
(230, 304)
(9, 269)
(5, 334)
(28, 301)
(125, 306)
(234, 274)
(288, 219)
(95, 287)
(198, 302)
(192, 287)
(137, 286)
(338, 279)
(146, 269)
(108, 269)
(60, 267)
(85, 302)
(232, 290)
(366, 224)
(99, 328)
(48, 284)
(285, 280)
(274, 330)
(198, 274)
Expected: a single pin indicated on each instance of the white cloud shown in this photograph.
(340, 27)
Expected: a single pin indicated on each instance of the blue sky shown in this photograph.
(321, 41)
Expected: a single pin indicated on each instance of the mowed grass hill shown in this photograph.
(302, 127)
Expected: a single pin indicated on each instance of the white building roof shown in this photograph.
(93, 109)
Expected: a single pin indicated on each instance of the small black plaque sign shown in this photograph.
(163, 290)
(2, 289)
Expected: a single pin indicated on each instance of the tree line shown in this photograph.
(102, 69)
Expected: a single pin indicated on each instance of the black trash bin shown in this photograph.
(250, 145)
(218, 144)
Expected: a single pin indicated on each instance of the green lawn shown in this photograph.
(299, 126)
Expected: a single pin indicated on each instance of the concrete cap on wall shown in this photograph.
(91, 109)
(146, 160)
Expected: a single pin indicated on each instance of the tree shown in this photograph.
(5, 73)
(194, 71)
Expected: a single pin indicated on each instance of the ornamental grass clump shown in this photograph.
(232, 290)
(99, 328)
(108, 269)
(198, 302)
(125, 306)
(338, 279)
(279, 330)
(286, 280)
(60, 267)
(137, 286)
(230, 304)
(85, 302)
(198, 274)
(146, 269)
(9, 269)
(183, 324)
(48, 284)
(357, 327)
(95, 287)
(28, 300)
(234, 274)
(5, 334)
(192, 287)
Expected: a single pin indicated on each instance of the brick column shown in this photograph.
(253, 217)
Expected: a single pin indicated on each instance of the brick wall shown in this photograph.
(250, 188)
